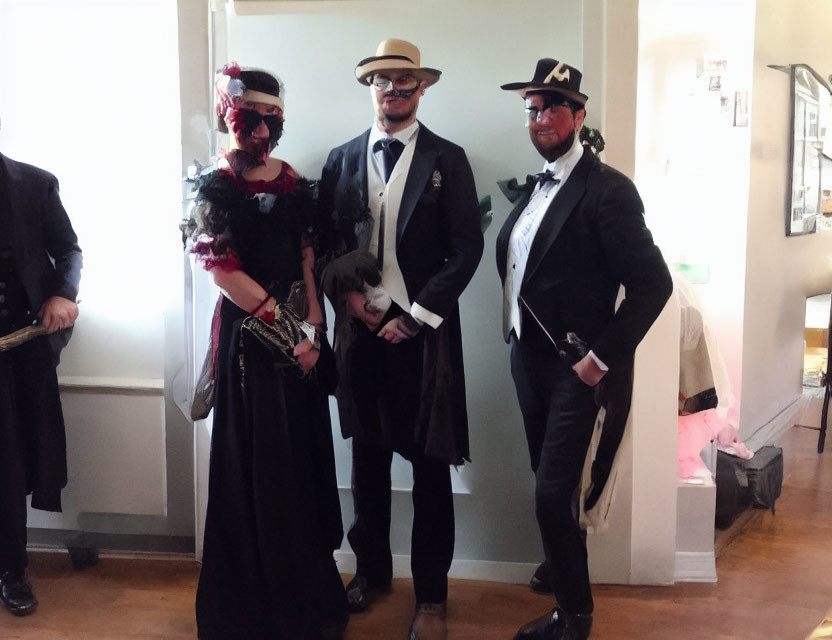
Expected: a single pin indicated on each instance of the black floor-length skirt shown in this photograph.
(273, 519)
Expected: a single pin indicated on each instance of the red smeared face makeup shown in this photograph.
(256, 126)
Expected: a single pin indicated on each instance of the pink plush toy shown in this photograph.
(707, 408)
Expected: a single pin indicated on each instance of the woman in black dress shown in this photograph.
(273, 519)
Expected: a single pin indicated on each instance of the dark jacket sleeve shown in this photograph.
(460, 206)
(325, 218)
(61, 244)
(637, 262)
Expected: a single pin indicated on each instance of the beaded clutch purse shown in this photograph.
(289, 328)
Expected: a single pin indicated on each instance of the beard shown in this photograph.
(398, 117)
(552, 153)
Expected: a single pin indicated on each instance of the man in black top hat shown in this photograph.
(574, 237)
(40, 268)
(406, 196)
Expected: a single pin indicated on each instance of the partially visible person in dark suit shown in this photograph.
(406, 196)
(566, 248)
(40, 268)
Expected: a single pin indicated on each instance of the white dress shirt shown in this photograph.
(386, 199)
(525, 230)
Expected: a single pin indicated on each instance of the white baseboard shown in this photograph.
(695, 566)
(690, 567)
(509, 572)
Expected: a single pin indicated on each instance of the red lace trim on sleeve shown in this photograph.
(204, 250)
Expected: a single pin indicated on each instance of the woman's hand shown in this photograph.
(307, 355)
(314, 313)
(308, 257)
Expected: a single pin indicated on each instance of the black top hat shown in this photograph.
(554, 76)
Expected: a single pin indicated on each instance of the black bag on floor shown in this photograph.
(733, 495)
(765, 477)
(747, 483)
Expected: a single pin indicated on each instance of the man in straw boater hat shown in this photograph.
(575, 235)
(405, 197)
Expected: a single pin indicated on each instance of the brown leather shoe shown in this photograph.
(429, 622)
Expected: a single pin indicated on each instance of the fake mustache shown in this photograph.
(400, 93)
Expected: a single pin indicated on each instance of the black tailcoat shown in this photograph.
(592, 240)
(438, 246)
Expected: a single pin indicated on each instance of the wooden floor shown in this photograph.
(775, 583)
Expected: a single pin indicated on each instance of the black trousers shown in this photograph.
(432, 537)
(25, 366)
(12, 502)
(559, 413)
(387, 389)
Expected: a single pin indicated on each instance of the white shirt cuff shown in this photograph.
(598, 361)
(423, 316)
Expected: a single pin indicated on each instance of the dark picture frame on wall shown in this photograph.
(811, 119)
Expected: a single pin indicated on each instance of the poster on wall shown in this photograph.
(741, 108)
(811, 109)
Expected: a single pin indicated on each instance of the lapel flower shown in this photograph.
(437, 179)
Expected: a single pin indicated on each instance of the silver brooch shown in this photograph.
(437, 179)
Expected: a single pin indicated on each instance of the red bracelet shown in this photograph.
(266, 316)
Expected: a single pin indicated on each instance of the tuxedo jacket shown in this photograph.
(46, 252)
(592, 239)
(438, 247)
(438, 239)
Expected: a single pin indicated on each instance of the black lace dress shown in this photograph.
(273, 519)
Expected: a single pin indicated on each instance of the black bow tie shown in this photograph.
(546, 176)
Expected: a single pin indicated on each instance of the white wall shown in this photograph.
(780, 271)
(84, 97)
(692, 162)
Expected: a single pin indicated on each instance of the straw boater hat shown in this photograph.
(552, 76)
(395, 55)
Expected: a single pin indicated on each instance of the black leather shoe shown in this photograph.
(557, 625)
(540, 580)
(360, 593)
(16, 594)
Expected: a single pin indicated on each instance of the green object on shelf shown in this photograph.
(695, 273)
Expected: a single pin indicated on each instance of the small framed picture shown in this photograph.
(741, 108)
(715, 83)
